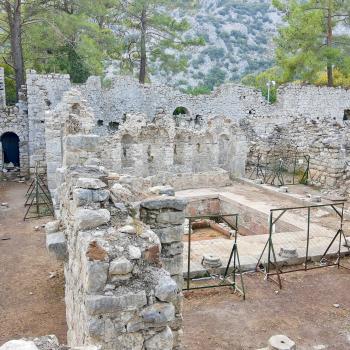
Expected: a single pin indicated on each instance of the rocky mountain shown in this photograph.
(239, 40)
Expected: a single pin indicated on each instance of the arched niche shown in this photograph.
(10, 148)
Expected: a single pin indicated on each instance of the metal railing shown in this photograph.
(272, 267)
(226, 277)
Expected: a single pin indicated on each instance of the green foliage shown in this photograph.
(260, 80)
(198, 90)
(10, 85)
(303, 49)
(164, 36)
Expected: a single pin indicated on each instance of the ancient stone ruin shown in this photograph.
(115, 157)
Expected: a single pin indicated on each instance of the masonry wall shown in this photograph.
(14, 119)
(325, 141)
(119, 294)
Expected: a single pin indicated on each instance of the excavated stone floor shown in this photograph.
(258, 200)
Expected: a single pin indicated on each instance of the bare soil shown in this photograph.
(303, 310)
(31, 303)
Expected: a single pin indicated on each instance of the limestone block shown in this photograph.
(120, 266)
(172, 249)
(57, 245)
(100, 195)
(281, 342)
(90, 183)
(97, 273)
(175, 203)
(82, 142)
(169, 234)
(134, 252)
(158, 313)
(19, 345)
(163, 340)
(166, 289)
(120, 194)
(171, 217)
(52, 226)
(82, 196)
(89, 218)
(173, 265)
(101, 304)
(162, 190)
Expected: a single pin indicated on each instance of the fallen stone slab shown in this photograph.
(57, 245)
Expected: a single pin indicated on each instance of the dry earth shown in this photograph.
(31, 303)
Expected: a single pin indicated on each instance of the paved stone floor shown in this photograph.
(323, 227)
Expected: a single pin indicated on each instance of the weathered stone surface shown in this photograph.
(175, 203)
(120, 266)
(100, 304)
(100, 195)
(163, 340)
(172, 249)
(82, 196)
(19, 345)
(166, 289)
(159, 313)
(52, 226)
(171, 217)
(57, 245)
(169, 234)
(120, 194)
(134, 252)
(90, 183)
(88, 218)
(162, 190)
(173, 265)
(97, 273)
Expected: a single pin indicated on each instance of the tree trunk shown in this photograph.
(143, 60)
(329, 44)
(15, 25)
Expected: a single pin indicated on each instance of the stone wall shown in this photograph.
(44, 92)
(119, 294)
(325, 140)
(174, 146)
(14, 119)
(124, 95)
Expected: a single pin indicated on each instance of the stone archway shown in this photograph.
(10, 149)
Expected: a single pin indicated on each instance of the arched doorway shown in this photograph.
(10, 148)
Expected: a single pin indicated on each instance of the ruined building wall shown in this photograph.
(14, 119)
(170, 146)
(118, 295)
(326, 142)
(44, 92)
(125, 95)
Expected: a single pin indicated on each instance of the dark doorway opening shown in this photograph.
(10, 148)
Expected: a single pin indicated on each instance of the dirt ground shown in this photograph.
(303, 310)
(31, 303)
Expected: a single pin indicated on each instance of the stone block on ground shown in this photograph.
(57, 245)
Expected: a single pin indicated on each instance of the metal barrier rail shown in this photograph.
(272, 170)
(271, 258)
(236, 268)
